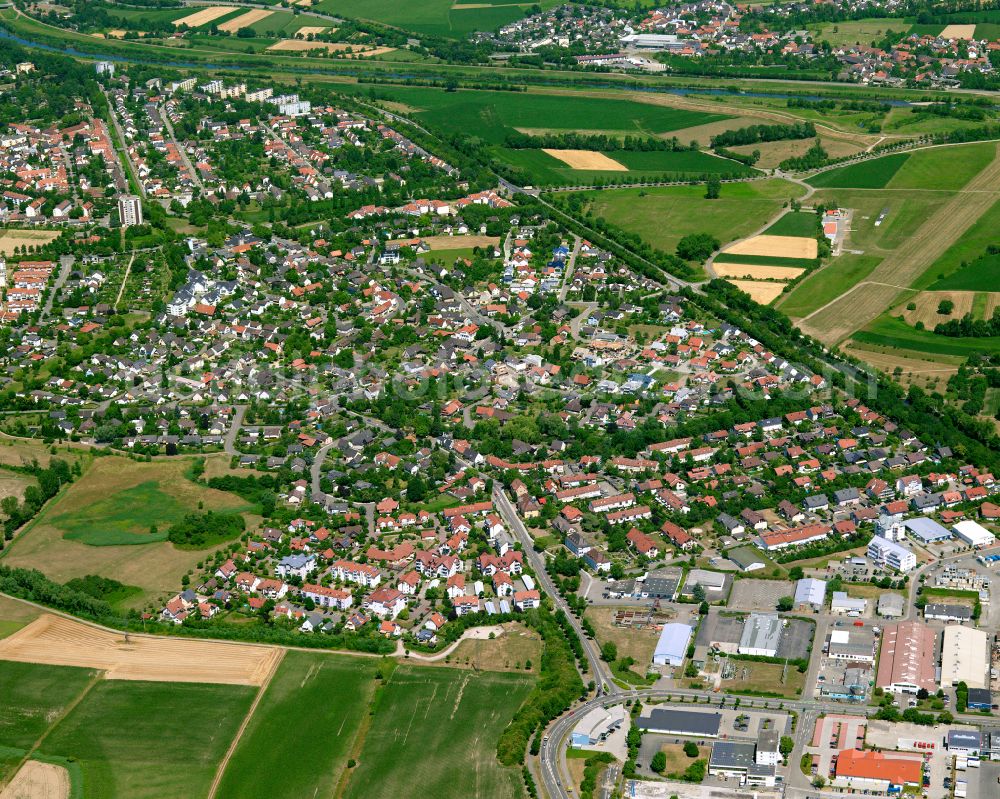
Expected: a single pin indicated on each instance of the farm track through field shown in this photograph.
(863, 303)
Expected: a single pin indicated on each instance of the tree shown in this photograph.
(786, 745)
(795, 573)
(698, 592)
(713, 189)
(703, 609)
(659, 764)
(786, 603)
(945, 307)
(609, 652)
(697, 246)
(691, 749)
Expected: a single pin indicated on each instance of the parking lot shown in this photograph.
(929, 741)
(759, 594)
(841, 731)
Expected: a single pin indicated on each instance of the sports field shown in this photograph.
(101, 524)
(437, 728)
(662, 216)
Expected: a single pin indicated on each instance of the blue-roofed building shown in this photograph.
(672, 646)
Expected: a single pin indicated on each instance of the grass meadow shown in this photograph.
(324, 700)
(983, 274)
(866, 175)
(72, 539)
(825, 285)
(966, 250)
(887, 331)
(436, 17)
(795, 223)
(664, 215)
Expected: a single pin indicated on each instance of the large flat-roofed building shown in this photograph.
(690, 723)
(907, 661)
(876, 772)
(672, 646)
(927, 530)
(761, 635)
(739, 759)
(974, 534)
(853, 644)
(965, 742)
(810, 591)
(891, 606)
(943, 612)
(884, 552)
(964, 655)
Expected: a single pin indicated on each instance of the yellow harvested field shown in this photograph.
(926, 374)
(959, 32)
(308, 30)
(203, 17)
(9, 239)
(927, 303)
(36, 780)
(300, 45)
(757, 272)
(759, 290)
(776, 247)
(245, 20)
(587, 159)
(59, 641)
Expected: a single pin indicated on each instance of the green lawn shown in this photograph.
(887, 331)
(310, 714)
(664, 215)
(864, 31)
(826, 284)
(866, 175)
(434, 734)
(906, 212)
(151, 739)
(795, 223)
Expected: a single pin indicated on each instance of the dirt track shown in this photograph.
(853, 310)
(59, 641)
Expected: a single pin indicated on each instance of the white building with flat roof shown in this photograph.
(761, 635)
(964, 656)
(672, 646)
(974, 534)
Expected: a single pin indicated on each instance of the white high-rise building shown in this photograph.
(130, 210)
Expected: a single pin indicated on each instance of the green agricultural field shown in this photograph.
(150, 739)
(887, 331)
(324, 700)
(32, 697)
(943, 168)
(866, 175)
(542, 169)
(825, 285)
(492, 116)
(907, 211)
(437, 728)
(795, 223)
(766, 260)
(435, 17)
(664, 215)
(967, 249)
(983, 274)
(123, 518)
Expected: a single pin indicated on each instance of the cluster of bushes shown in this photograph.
(967, 327)
(50, 480)
(558, 685)
(813, 158)
(258, 490)
(744, 158)
(34, 586)
(200, 530)
(753, 134)
(591, 770)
